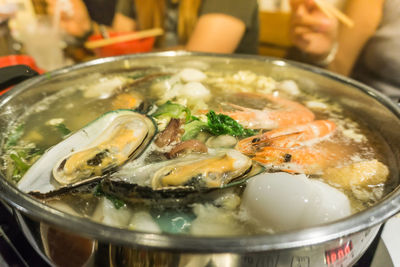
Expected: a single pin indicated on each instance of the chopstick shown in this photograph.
(124, 38)
(331, 11)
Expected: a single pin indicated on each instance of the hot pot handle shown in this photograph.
(12, 75)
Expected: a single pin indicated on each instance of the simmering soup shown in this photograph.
(200, 152)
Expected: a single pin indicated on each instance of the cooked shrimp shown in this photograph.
(308, 160)
(288, 137)
(295, 148)
(299, 160)
(291, 113)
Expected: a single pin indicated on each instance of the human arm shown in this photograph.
(124, 16)
(366, 16)
(311, 31)
(217, 33)
(228, 24)
(315, 34)
(77, 21)
(122, 23)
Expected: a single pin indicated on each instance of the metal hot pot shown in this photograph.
(63, 239)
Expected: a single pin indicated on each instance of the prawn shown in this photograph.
(288, 137)
(294, 160)
(291, 113)
(303, 159)
(292, 149)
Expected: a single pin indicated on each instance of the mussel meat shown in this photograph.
(100, 147)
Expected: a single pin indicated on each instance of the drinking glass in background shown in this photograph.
(44, 42)
(5, 38)
(7, 10)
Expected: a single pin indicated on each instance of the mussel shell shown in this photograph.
(40, 178)
(134, 193)
(160, 198)
(86, 187)
(126, 133)
(214, 171)
(255, 169)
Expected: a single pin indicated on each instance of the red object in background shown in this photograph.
(18, 60)
(122, 48)
(12, 60)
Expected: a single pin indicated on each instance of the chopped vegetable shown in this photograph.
(118, 203)
(137, 75)
(164, 77)
(20, 165)
(219, 124)
(193, 128)
(173, 110)
(63, 129)
(15, 136)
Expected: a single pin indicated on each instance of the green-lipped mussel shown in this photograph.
(100, 147)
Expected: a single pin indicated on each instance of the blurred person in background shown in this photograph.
(223, 26)
(101, 11)
(368, 52)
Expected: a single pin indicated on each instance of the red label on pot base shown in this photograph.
(331, 256)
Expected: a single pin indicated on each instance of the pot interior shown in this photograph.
(377, 115)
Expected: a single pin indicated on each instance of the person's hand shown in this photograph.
(311, 30)
(76, 21)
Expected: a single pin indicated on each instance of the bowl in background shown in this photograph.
(12, 60)
(122, 48)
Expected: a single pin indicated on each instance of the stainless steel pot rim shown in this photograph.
(311, 236)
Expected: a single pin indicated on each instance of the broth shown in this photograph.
(347, 163)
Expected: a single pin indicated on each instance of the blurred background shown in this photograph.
(27, 29)
(30, 35)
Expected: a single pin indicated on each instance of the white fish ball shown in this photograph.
(191, 75)
(142, 221)
(106, 213)
(104, 88)
(329, 204)
(195, 90)
(284, 201)
(290, 87)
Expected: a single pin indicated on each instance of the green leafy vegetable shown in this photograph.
(63, 129)
(137, 75)
(23, 160)
(118, 203)
(15, 135)
(220, 124)
(164, 77)
(173, 110)
(31, 153)
(192, 129)
(20, 167)
(217, 124)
